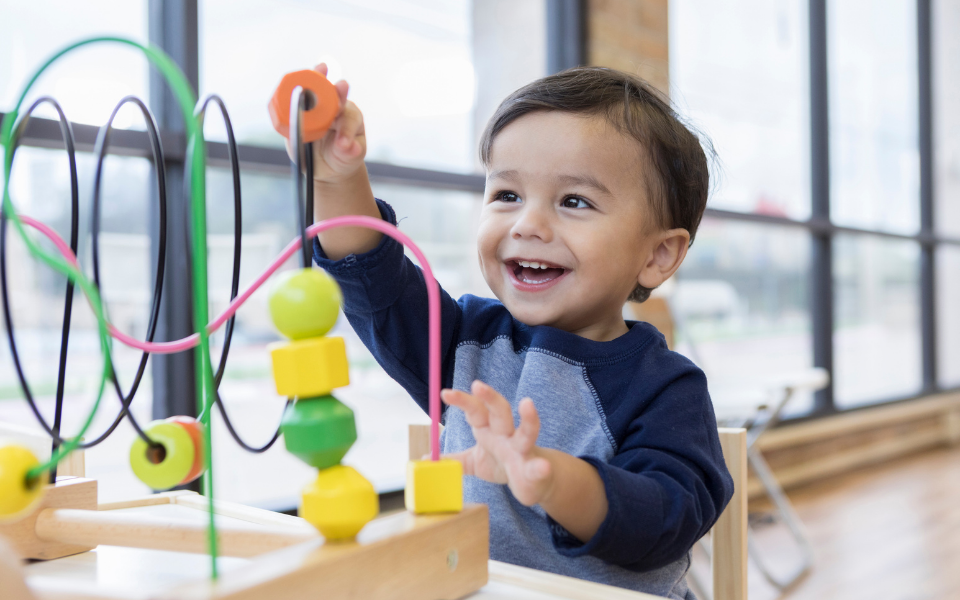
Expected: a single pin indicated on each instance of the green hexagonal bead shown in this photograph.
(304, 303)
(319, 431)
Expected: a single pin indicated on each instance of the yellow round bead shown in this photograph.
(17, 494)
(339, 502)
(304, 303)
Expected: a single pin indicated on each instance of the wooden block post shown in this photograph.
(730, 532)
(68, 492)
(13, 583)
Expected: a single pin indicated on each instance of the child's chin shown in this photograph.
(529, 315)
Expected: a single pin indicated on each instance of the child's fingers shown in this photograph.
(342, 88)
(349, 126)
(537, 469)
(501, 415)
(472, 407)
(467, 458)
(529, 425)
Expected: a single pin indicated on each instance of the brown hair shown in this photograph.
(679, 190)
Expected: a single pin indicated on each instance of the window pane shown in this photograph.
(741, 306)
(876, 338)
(948, 316)
(88, 82)
(40, 187)
(739, 72)
(422, 73)
(441, 222)
(874, 159)
(946, 116)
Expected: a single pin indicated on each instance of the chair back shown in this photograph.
(729, 534)
(656, 311)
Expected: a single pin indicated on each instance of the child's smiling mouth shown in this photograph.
(534, 275)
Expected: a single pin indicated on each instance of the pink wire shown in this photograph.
(433, 302)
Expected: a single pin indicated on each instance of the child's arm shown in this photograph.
(567, 488)
(340, 182)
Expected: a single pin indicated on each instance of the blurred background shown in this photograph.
(831, 239)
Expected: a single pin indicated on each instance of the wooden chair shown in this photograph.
(729, 534)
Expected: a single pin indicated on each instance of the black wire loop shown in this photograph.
(302, 155)
(66, 132)
(235, 281)
(304, 214)
(100, 150)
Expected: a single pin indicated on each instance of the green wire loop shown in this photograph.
(187, 99)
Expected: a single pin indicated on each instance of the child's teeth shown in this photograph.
(532, 264)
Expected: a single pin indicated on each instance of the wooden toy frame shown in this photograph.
(445, 556)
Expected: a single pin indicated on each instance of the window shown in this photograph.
(741, 302)
(831, 238)
(876, 339)
(426, 76)
(946, 185)
(874, 154)
(738, 72)
(88, 84)
(817, 111)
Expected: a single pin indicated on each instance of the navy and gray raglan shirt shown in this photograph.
(639, 413)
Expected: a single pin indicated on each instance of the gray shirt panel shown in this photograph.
(571, 421)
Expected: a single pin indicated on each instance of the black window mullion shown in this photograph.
(821, 262)
(566, 34)
(173, 28)
(928, 321)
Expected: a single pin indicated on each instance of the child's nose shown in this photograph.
(532, 222)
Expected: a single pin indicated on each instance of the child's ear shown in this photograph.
(668, 251)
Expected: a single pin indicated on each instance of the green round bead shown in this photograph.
(177, 458)
(304, 303)
(318, 431)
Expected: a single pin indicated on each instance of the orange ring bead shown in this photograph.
(317, 119)
(195, 429)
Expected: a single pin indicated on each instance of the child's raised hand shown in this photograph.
(503, 453)
(340, 152)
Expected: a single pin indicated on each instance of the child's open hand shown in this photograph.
(503, 453)
(340, 152)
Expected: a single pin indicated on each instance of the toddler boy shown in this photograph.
(594, 191)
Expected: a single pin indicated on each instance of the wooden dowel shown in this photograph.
(138, 530)
(245, 513)
(151, 500)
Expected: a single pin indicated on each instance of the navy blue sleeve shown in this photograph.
(385, 300)
(667, 483)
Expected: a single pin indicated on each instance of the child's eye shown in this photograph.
(574, 202)
(506, 197)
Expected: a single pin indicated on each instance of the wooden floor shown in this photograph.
(888, 532)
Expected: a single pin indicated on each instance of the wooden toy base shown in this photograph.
(401, 555)
(69, 492)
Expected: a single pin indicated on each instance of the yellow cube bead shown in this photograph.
(311, 367)
(339, 503)
(434, 486)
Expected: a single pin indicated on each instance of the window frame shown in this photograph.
(173, 26)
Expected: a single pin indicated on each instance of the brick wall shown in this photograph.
(630, 35)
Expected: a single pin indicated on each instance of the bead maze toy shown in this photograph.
(438, 548)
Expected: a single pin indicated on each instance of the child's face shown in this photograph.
(565, 192)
